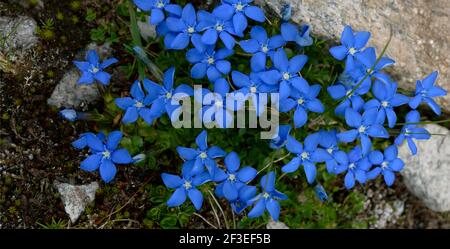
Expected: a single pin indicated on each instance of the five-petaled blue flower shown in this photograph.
(352, 44)
(302, 102)
(203, 156)
(267, 199)
(185, 186)
(388, 163)
(157, 8)
(217, 24)
(286, 73)
(92, 69)
(233, 179)
(280, 139)
(306, 156)
(243, 8)
(369, 64)
(261, 46)
(135, 106)
(251, 86)
(246, 193)
(184, 28)
(365, 126)
(104, 154)
(209, 62)
(290, 32)
(386, 98)
(329, 142)
(411, 131)
(165, 98)
(356, 168)
(426, 90)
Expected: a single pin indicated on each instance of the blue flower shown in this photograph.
(290, 32)
(261, 46)
(251, 86)
(369, 65)
(203, 156)
(104, 154)
(388, 163)
(246, 193)
(426, 90)
(286, 73)
(185, 186)
(184, 28)
(135, 106)
(69, 114)
(411, 131)
(349, 93)
(242, 8)
(302, 102)
(209, 62)
(217, 25)
(365, 126)
(352, 44)
(280, 140)
(92, 69)
(82, 142)
(356, 168)
(386, 98)
(164, 98)
(306, 156)
(268, 199)
(320, 192)
(234, 178)
(157, 8)
(329, 142)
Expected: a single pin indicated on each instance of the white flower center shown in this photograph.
(95, 69)
(239, 7)
(385, 104)
(304, 155)
(253, 89)
(210, 60)
(138, 104)
(160, 5)
(349, 93)
(407, 131)
(232, 177)
(351, 166)
(219, 27)
(362, 129)
(187, 185)
(203, 155)
(352, 51)
(264, 48)
(300, 101)
(286, 76)
(384, 165)
(369, 71)
(330, 150)
(190, 30)
(266, 195)
(106, 154)
(219, 103)
(168, 95)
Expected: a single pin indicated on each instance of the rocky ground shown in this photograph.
(35, 150)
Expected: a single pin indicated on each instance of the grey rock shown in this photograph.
(76, 197)
(421, 31)
(17, 34)
(427, 174)
(147, 31)
(68, 93)
(276, 225)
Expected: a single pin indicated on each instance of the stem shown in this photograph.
(220, 208)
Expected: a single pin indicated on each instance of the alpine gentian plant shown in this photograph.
(317, 132)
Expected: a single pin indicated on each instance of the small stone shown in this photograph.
(427, 174)
(20, 33)
(76, 197)
(276, 225)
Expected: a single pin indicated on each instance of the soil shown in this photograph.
(35, 148)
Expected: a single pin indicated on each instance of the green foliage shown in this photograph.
(54, 224)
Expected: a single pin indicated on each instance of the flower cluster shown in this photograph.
(366, 111)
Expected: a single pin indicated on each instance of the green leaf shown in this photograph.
(169, 222)
(90, 15)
